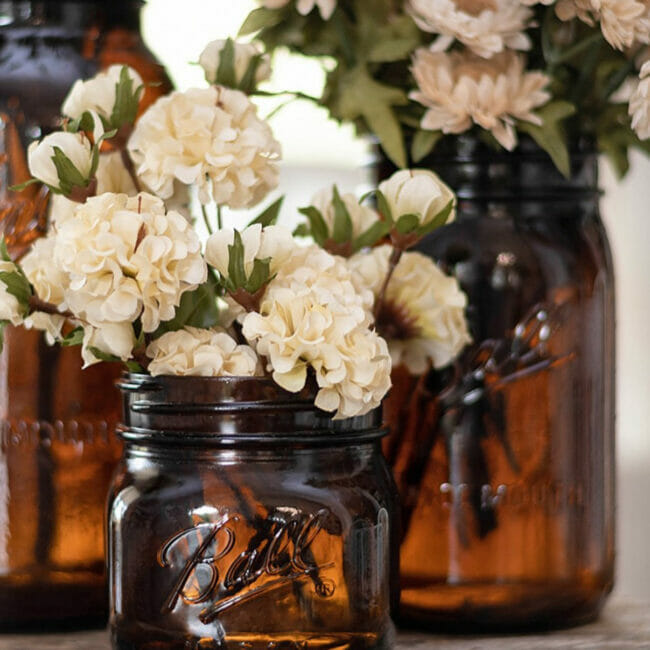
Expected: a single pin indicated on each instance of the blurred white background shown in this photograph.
(318, 152)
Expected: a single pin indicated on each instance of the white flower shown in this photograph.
(114, 339)
(48, 280)
(417, 191)
(97, 94)
(304, 7)
(423, 315)
(362, 217)
(204, 353)
(311, 316)
(639, 107)
(210, 137)
(51, 324)
(485, 26)
(127, 258)
(623, 22)
(10, 308)
(244, 53)
(273, 242)
(75, 146)
(460, 89)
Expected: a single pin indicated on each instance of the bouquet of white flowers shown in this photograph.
(123, 274)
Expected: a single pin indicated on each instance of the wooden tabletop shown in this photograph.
(624, 625)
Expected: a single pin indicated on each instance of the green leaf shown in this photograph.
(69, 175)
(342, 229)
(370, 237)
(236, 267)
(360, 96)
(3, 325)
(76, 337)
(259, 276)
(4, 253)
(248, 82)
(384, 207)
(550, 136)
(270, 215)
(423, 144)
(259, 19)
(407, 223)
(226, 75)
(134, 366)
(438, 221)
(17, 285)
(103, 356)
(127, 100)
(318, 227)
(197, 308)
(21, 186)
(396, 49)
(302, 230)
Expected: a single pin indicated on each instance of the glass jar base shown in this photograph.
(53, 601)
(502, 607)
(342, 641)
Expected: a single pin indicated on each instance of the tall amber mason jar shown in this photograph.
(57, 443)
(505, 461)
(243, 517)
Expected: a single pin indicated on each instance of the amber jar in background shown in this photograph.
(242, 516)
(505, 462)
(57, 443)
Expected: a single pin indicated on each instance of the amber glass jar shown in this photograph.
(241, 516)
(505, 462)
(57, 443)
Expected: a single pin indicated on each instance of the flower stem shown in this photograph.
(206, 219)
(128, 164)
(36, 304)
(395, 257)
(219, 222)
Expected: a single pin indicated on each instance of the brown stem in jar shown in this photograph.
(80, 194)
(36, 304)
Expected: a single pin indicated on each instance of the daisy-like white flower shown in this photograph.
(126, 257)
(311, 316)
(484, 26)
(304, 7)
(204, 353)
(460, 89)
(623, 22)
(210, 137)
(423, 313)
(639, 107)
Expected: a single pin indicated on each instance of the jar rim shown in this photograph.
(232, 411)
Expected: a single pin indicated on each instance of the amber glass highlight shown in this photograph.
(241, 516)
(57, 443)
(505, 462)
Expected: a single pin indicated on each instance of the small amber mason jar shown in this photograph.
(241, 516)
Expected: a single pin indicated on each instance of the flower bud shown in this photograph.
(236, 65)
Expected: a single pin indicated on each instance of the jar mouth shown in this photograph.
(231, 411)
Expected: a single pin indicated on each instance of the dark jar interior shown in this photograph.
(242, 516)
(505, 462)
(57, 443)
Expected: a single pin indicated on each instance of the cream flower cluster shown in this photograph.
(304, 7)
(210, 137)
(204, 353)
(459, 89)
(126, 257)
(485, 26)
(424, 310)
(640, 103)
(362, 216)
(623, 22)
(311, 316)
